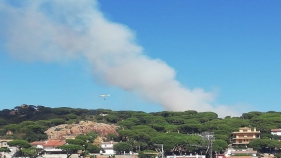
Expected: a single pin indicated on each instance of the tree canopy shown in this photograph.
(177, 131)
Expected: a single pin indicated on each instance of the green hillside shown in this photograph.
(177, 131)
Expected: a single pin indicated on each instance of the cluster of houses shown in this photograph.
(49, 148)
(242, 137)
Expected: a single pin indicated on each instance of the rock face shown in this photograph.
(68, 131)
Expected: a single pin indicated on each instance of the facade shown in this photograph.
(245, 135)
(233, 152)
(220, 156)
(276, 132)
(108, 148)
(49, 144)
(186, 156)
(49, 148)
(4, 143)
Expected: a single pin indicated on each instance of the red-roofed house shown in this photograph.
(49, 144)
(50, 148)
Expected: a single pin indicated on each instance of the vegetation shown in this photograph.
(4, 150)
(179, 132)
(82, 143)
(122, 147)
(23, 146)
(70, 149)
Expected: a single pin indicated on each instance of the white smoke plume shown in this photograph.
(55, 31)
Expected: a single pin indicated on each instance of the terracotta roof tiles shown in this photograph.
(48, 143)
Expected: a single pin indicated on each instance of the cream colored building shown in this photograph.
(4, 143)
(245, 135)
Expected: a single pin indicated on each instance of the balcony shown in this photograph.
(244, 138)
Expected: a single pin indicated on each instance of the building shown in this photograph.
(245, 135)
(220, 156)
(4, 143)
(50, 150)
(108, 148)
(49, 144)
(276, 132)
(239, 152)
(186, 156)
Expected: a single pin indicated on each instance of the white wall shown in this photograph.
(276, 133)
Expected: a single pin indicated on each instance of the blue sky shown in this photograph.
(216, 56)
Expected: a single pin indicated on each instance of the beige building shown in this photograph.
(245, 135)
(4, 143)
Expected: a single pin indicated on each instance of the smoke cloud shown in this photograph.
(56, 31)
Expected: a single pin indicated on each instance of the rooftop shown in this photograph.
(52, 143)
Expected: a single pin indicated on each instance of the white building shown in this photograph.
(276, 132)
(186, 156)
(248, 151)
(108, 148)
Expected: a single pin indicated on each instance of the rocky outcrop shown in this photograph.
(68, 131)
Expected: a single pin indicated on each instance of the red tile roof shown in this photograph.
(49, 143)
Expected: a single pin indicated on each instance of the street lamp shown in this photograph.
(162, 149)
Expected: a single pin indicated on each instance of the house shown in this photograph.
(245, 135)
(234, 152)
(108, 148)
(276, 132)
(49, 148)
(4, 143)
(49, 144)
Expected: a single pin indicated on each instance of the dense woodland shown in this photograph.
(179, 132)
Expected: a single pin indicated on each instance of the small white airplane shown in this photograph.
(104, 96)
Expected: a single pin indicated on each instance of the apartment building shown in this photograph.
(245, 135)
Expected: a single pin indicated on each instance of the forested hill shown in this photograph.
(35, 113)
(187, 122)
(139, 129)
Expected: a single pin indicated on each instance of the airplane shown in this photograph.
(104, 96)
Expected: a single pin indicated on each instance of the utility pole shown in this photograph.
(162, 151)
(209, 137)
(211, 148)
